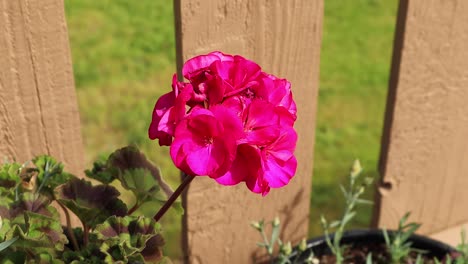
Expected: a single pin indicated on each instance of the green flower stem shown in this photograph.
(267, 244)
(174, 196)
(69, 228)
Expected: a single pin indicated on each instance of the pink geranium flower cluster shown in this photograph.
(231, 121)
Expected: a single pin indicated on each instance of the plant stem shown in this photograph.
(174, 196)
(85, 234)
(267, 244)
(69, 228)
(134, 208)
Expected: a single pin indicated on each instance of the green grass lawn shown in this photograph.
(123, 58)
(354, 70)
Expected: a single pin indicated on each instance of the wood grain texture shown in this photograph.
(425, 152)
(452, 235)
(284, 38)
(38, 106)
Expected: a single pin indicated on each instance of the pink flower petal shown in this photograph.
(202, 62)
(163, 104)
(258, 185)
(162, 107)
(278, 175)
(178, 156)
(206, 160)
(246, 165)
(202, 144)
(230, 120)
(285, 145)
(261, 123)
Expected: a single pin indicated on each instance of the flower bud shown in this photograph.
(276, 222)
(368, 181)
(257, 225)
(286, 249)
(314, 260)
(356, 168)
(303, 245)
(361, 190)
(323, 220)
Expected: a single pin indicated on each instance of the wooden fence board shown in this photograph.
(284, 38)
(38, 106)
(425, 148)
(452, 235)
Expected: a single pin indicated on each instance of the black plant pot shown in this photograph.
(319, 246)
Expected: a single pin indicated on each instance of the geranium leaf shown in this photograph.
(130, 158)
(140, 182)
(30, 202)
(92, 204)
(130, 230)
(5, 204)
(50, 174)
(144, 226)
(102, 173)
(38, 233)
(89, 254)
(137, 258)
(47, 258)
(142, 229)
(145, 233)
(12, 257)
(47, 228)
(113, 227)
(9, 175)
(129, 236)
(4, 227)
(114, 253)
(153, 249)
(140, 176)
(32, 240)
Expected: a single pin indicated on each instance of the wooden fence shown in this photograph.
(424, 159)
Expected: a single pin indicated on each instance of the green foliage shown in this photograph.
(49, 174)
(130, 239)
(398, 244)
(5, 244)
(31, 229)
(285, 249)
(137, 174)
(102, 173)
(352, 197)
(92, 204)
(9, 176)
(39, 233)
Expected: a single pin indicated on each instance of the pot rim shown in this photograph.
(419, 241)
